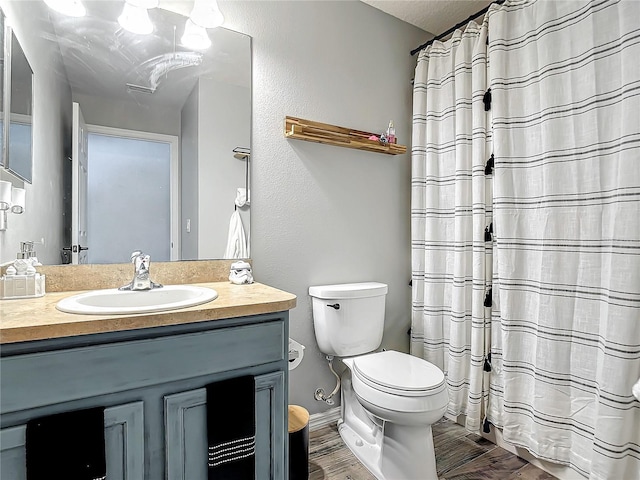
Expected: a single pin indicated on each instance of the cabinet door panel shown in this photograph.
(185, 416)
(186, 431)
(13, 461)
(271, 436)
(124, 445)
(124, 441)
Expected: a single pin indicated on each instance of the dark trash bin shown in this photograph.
(298, 443)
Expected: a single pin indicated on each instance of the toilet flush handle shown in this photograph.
(335, 305)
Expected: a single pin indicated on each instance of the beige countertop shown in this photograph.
(38, 318)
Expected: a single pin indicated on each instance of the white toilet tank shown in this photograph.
(348, 318)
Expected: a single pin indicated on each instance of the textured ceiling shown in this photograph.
(433, 16)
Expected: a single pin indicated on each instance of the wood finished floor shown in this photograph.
(460, 455)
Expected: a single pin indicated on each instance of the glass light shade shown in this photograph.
(147, 4)
(195, 37)
(135, 20)
(207, 14)
(17, 199)
(5, 195)
(73, 8)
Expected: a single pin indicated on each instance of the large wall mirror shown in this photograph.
(158, 134)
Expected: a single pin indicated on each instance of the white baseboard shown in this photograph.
(323, 419)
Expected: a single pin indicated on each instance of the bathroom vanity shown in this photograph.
(149, 371)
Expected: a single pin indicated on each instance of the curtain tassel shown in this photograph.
(486, 426)
(488, 300)
(486, 99)
(488, 169)
(488, 233)
(487, 363)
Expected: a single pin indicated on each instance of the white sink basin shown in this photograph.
(114, 301)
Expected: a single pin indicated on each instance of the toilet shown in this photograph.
(389, 399)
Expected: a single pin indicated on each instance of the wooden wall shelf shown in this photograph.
(300, 129)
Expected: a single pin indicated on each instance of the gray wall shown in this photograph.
(128, 115)
(323, 214)
(51, 124)
(214, 120)
(223, 123)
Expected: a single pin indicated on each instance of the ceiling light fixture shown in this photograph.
(135, 19)
(73, 8)
(207, 14)
(195, 37)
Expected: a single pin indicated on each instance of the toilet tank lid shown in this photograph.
(349, 290)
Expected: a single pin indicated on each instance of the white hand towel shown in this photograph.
(237, 240)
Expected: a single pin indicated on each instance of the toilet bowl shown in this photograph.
(399, 388)
(389, 399)
(398, 409)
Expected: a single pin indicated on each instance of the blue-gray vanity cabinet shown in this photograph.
(152, 385)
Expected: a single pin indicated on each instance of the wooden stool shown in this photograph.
(298, 443)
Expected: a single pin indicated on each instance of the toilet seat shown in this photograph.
(398, 387)
(399, 374)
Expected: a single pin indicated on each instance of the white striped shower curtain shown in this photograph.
(449, 215)
(565, 329)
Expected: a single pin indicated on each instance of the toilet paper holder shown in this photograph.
(296, 352)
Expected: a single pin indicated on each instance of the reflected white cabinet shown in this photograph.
(152, 385)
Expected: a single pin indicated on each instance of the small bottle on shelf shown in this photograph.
(391, 133)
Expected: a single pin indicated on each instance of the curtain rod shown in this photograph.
(455, 27)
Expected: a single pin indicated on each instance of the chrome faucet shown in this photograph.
(141, 280)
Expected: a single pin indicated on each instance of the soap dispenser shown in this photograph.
(391, 133)
(28, 253)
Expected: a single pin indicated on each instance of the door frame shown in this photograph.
(79, 159)
(174, 182)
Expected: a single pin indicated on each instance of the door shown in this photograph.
(79, 182)
(129, 195)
